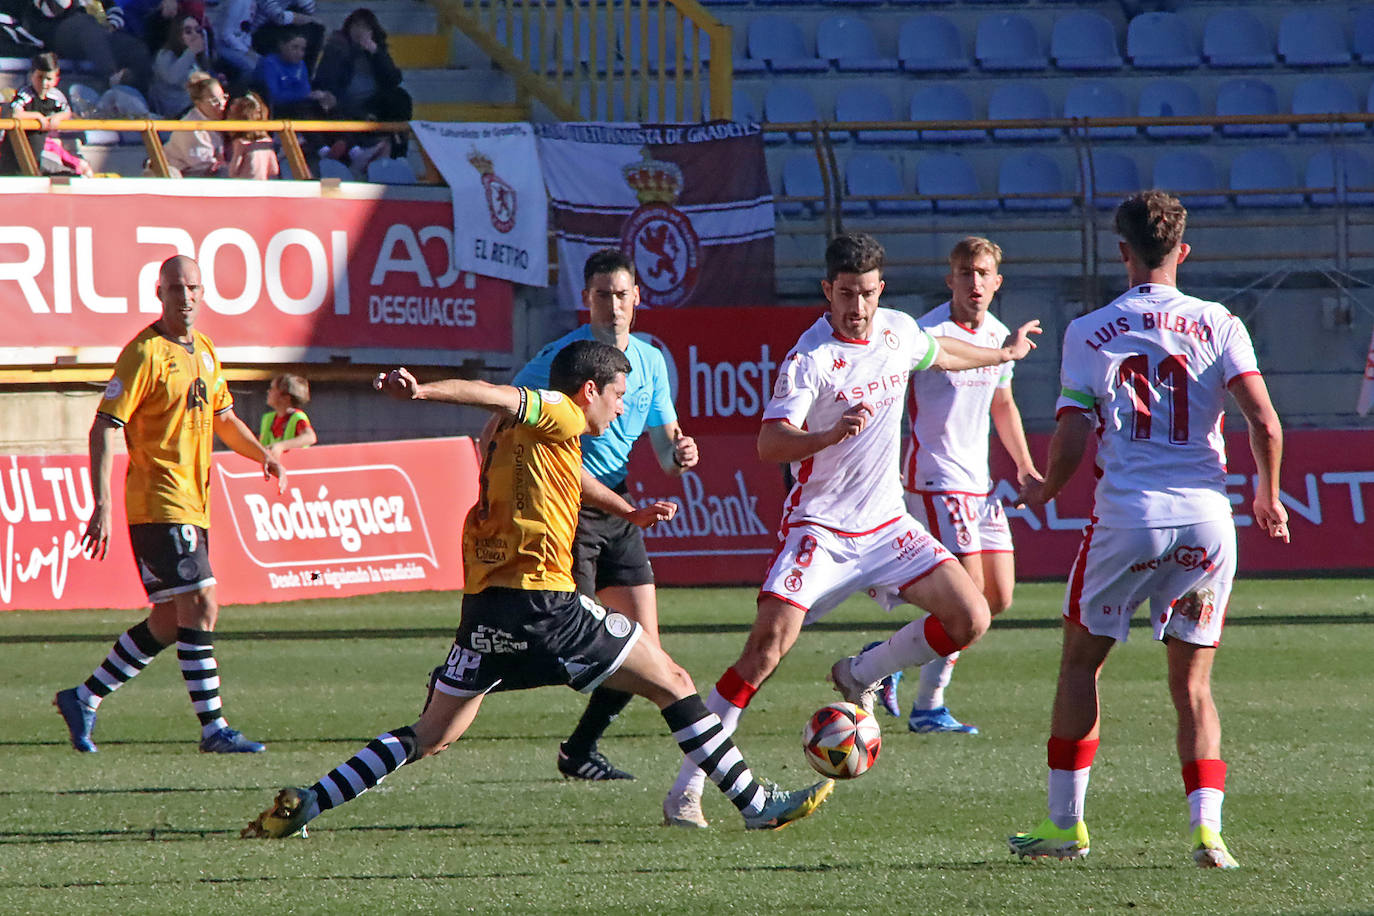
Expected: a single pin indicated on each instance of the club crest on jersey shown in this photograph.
(207, 361)
(890, 339)
(1197, 606)
(499, 194)
(658, 237)
(793, 582)
(114, 388)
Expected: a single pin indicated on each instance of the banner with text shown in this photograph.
(730, 503)
(1366, 401)
(500, 214)
(79, 270)
(355, 519)
(689, 204)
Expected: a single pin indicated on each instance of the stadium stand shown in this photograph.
(1096, 99)
(1236, 38)
(1012, 101)
(1084, 40)
(1249, 96)
(1334, 176)
(1008, 42)
(778, 40)
(1326, 95)
(788, 102)
(1161, 41)
(849, 43)
(1312, 38)
(1185, 171)
(930, 43)
(868, 173)
(1165, 98)
(944, 102)
(1260, 168)
(1107, 176)
(858, 103)
(949, 174)
(801, 177)
(1030, 172)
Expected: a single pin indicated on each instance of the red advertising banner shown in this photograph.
(722, 362)
(285, 278)
(355, 519)
(730, 504)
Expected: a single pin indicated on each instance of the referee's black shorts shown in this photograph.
(608, 551)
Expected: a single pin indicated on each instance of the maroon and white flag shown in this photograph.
(1367, 386)
(689, 203)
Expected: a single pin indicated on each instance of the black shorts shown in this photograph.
(172, 559)
(608, 551)
(512, 639)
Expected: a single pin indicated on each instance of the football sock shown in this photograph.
(196, 656)
(129, 655)
(914, 644)
(727, 700)
(935, 675)
(1205, 783)
(704, 741)
(1070, 764)
(605, 704)
(379, 758)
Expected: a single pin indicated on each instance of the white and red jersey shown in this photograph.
(852, 486)
(948, 412)
(1153, 367)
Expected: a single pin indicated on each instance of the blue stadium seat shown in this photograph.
(939, 174)
(1263, 167)
(860, 103)
(1312, 38)
(944, 102)
(1172, 97)
(1084, 40)
(849, 43)
(1236, 38)
(1018, 100)
(1097, 99)
(867, 173)
(1362, 34)
(1029, 172)
(745, 107)
(1184, 171)
(333, 168)
(779, 40)
(646, 38)
(801, 177)
(930, 43)
(789, 102)
(1161, 41)
(1008, 41)
(1326, 95)
(1333, 173)
(1114, 177)
(1249, 97)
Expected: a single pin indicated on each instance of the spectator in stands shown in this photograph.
(199, 153)
(286, 426)
(183, 54)
(41, 102)
(233, 21)
(285, 82)
(253, 155)
(357, 69)
(69, 29)
(153, 21)
(273, 18)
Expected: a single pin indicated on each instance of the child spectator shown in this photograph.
(273, 20)
(199, 153)
(43, 104)
(251, 153)
(285, 82)
(182, 54)
(286, 425)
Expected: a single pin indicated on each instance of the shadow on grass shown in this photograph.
(849, 626)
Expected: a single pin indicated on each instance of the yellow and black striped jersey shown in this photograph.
(520, 532)
(166, 394)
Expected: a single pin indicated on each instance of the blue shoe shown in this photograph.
(927, 721)
(79, 717)
(230, 741)
(887, 689)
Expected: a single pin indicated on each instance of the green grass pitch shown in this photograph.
(148, 825)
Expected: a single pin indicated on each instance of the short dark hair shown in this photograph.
(1151, 224)
(364, 15)
(45, 62)
(586, 359)
(853, 253)
(606, 261)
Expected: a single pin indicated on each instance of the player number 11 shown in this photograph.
(1171, 373)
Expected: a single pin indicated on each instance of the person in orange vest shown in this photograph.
(286, 425)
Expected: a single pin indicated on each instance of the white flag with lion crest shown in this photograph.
(500, 210)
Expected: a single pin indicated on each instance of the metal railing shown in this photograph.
(652, 60)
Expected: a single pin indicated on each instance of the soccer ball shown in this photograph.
(841, 741)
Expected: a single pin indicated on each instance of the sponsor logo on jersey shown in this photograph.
(114, 388)
(839, 363)
(207, 361)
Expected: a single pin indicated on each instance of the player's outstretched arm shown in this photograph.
(234, 433)
(403, 386)
(957, 354)
(102, 444)
(599, 496)
(1266, 444)
(1006, 417)
(782, 443)
(1067, 447)
(675, 452)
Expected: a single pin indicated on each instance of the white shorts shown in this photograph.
(816, 569)
(1186, 572)
(966, 523)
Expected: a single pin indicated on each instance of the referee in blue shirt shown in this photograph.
(610, 562)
